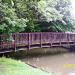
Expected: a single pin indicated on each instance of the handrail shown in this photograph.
(36, 38)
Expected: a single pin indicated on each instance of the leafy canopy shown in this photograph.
(9, 21)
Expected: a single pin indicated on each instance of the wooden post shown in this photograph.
(60, 38)
(1, 41)
(68, 38)
(29, 41)
(41, 39)
(50, 39)
(74, 40)
(15, 42)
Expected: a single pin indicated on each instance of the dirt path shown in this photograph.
(63, 64)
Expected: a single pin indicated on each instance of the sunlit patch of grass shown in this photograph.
(13, 67)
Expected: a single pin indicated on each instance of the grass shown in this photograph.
(13, 67)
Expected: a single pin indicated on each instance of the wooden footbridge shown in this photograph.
(35, 40)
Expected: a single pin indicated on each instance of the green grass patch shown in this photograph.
(13, 67)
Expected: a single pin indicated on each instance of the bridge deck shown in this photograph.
(36, 40)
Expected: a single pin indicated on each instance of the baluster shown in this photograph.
(68, 39)
(41, 39)
(15, 42)
(59, 38)
(29, 41)
(50, 38)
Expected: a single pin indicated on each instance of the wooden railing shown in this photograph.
(38, 39)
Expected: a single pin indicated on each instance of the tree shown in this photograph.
(57, 13)
(26, 9)
(64, 6)
(47, 10)
(9, 21)
(27, 13)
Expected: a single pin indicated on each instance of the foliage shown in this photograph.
(26, 9)
(47, 10)
(24, 15)
(57, 12)
(64, 7)
(9, 21)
